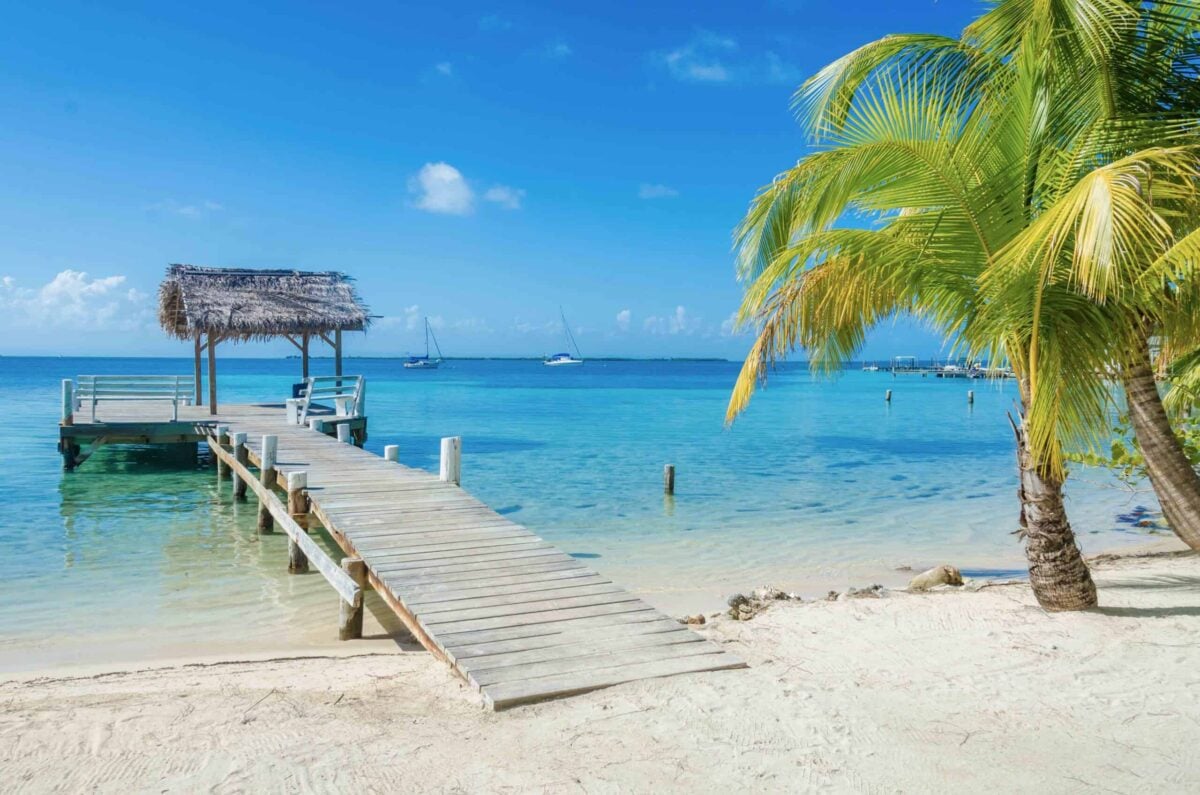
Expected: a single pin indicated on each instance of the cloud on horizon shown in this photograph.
(73, 299)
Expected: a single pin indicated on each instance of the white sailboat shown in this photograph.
(424, 362)
(564, 359)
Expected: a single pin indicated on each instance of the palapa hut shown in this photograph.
(214, 305)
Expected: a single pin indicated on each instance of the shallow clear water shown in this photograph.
(821, 484)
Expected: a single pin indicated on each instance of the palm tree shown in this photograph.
(984, 173)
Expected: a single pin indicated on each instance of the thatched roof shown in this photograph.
(244, 304)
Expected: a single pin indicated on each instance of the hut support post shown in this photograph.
(196, 372)
(337, 352)
(304, 356)
(212, 375)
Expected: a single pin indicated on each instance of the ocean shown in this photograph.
(141, 554)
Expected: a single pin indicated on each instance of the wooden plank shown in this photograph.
(449, 540)
(450, 641)
(473, 554)
(590, 662)
(474, 562)
(541, 617)
(515, 607)
(511, 694)
(566, 639)
(426, 590)
(519, 593)
(414, 551)
(407, 578)
(580, 647)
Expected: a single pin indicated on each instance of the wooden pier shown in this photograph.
(516, 617)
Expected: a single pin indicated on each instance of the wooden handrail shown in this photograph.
(346, 587)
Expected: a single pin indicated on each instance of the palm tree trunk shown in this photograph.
(1175, 482)
(1057, 571)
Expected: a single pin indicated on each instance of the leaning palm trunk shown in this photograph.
(1171, 474)
(1057, 571)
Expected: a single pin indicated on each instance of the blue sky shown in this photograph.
(479, 164)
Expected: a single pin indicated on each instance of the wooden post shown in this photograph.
(970, 397)
(196, 372)
(887, 396)
(266, 475)
(212, 375)
(350, 618)
(337, 352)
(68, 402)
(391, 452)
(343, 432)
(297, 482)
(669, 479)
(451, 469)
(242, 456)
(222, 439)
(304, 355)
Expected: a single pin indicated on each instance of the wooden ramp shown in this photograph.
(518, 618)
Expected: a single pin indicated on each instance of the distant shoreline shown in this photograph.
(380, 358)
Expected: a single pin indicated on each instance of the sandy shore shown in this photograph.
(908, 693)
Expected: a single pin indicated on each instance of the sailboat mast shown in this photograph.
(570, 336)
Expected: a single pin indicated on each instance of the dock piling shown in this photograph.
(391, 453)
(887, 397)
(451, 468)
(970, 397)
(669, 479)
(222, 439)
(68, 402)
(343, 432)
(242, 455)
(266, 476)
(350, 617)
(297, 504)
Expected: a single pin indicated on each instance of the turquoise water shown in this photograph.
(820, 485)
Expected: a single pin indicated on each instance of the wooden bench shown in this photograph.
(346, 392)
(175, 389)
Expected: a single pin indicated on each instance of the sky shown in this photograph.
(479, 164)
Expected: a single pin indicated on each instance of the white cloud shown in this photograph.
(712, 58)
(700, 60)
(444, 68)
(729, 326)
(649, 191)
(412, 316)
(189, 210)
(558, 50)
(72, 299)
(441, 188)
(677, 323)
(472, 325)
(526, 327)
(623, 318)
(506, 197)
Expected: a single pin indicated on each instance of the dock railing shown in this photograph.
(346, 392)
(91, 389)
(305, 548)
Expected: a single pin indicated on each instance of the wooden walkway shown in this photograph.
(519, 619)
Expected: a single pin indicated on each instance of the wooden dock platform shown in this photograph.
(517, 618)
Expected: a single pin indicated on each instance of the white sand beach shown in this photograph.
(926, 692)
